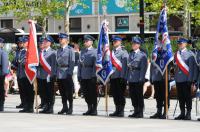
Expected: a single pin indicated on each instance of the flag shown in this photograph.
(162, 54)
(104, 67)
(32, 59)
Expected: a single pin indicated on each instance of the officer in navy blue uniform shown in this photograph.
(3, 72)
(184, 79)
(65, 67)
(118, 78)
(46, 80)
(25, 85)
(87, 74)
(14, 66)
(137, 66)
(41, 91)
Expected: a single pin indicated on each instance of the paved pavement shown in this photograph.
(11, 120)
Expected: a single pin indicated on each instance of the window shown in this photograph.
(75, 24)
(122, 23)
(8, 23)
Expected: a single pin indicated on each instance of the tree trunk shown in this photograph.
(185, 19)
(44, 25)
(68, 5)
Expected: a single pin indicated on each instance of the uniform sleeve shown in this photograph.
(79, 66)
(143, 69)
(71, 61)
(191, 68)
(5, 63)
(53, 64)
(124, 65)
(94, 63)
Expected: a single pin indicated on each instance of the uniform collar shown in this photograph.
(90, 48)
(183, 50)
(136, 51)
(47, 49)
(118, 48)
(65, 46)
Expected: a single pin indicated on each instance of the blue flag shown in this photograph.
(162, 54)
(103, 63)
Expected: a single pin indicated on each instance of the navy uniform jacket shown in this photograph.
(3, 62)
(122, 55)
(50, 57)
(197, 66)
(137, 66)
(87, 63)
(155, 74)
(65, 62)
(189, 60)
(19, 63)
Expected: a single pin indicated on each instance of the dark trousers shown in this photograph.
(46, 91)
(27, 92)
(184, 95)
(89, 90)
(117, 90)
(21, 90)
(66, 90)
(136, 94)
(159, 87)
(2, 90)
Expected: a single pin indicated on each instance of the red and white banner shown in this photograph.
(181, 64)
(32, 59)
(44, 63)
(117, 64)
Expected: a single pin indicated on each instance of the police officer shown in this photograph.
(184, 77)
(47, 73)
(118, 78)
(87, 74)
(17, 60)
(137, 66)
(65, 67)
(39, 81)
(3, 72)
(158, 80)
(25, 85)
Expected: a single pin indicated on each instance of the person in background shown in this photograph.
(75, 72)
(3, 72)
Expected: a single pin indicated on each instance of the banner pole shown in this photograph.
(106, 99)
(36, 94)
(166, 92)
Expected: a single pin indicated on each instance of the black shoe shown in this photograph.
(19, 106)
(134, 114)
(50, 110)
(94, 110)
(63, 110)
(164, 116)
(115, 113)
(180, 117)
(70, 110)
(88, 111)
(1, 106)
(156, 116)
(23, 110)
(41, 106)
(121, 111)
(139, 115)
(188, 116)
(30, 110)
(198, 119)
(44, 109)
